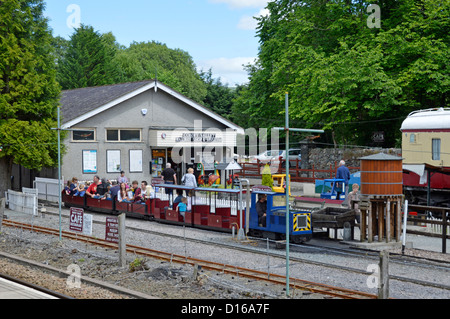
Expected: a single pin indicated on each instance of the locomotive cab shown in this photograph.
(275, 222)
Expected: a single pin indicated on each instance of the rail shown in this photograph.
(220, 267)
(443, 222)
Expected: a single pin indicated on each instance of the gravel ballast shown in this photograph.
(165, 280)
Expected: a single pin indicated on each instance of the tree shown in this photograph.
(174, 67)
(342, 75)
(29, 91)
(89, 60)
(219, 97)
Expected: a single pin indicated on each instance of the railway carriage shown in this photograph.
(426, 156)
(209, 208)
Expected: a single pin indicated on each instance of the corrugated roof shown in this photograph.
(381, 157)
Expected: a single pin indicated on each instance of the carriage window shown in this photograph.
(436, 149)
(279, 201)
(412, 138)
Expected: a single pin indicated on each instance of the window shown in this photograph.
(436, 149)
(83, 135)
(412, 138)
(120, 135)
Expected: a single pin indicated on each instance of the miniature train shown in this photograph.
(209, 208)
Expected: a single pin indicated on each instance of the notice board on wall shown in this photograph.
(135, 161)
(113, 161)
(89, 161)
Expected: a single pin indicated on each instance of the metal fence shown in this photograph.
(254, 170)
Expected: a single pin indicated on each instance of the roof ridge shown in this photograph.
(110, 85)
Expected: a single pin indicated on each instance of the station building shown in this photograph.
(139, 127)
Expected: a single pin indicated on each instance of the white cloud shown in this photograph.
(249, 22)
(243, 3)
(229, 70)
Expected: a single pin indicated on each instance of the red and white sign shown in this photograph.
(112, 229)
(76, 219)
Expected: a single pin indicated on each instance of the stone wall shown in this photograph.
(322, 158)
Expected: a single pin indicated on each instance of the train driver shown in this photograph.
(261, 209)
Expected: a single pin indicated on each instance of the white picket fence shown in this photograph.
(48, 188)
(436, 228)
(23, 202)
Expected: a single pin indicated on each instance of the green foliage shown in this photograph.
(87, 60)
(219, 97)
(342, 75)
(29, 91)
(174, 67)
(137, 265)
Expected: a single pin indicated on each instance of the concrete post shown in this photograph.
(122, 242)
(383, 290)
(2, 211)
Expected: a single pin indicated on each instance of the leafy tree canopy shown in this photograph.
(174, 67)
(342, 75)
(29, 91)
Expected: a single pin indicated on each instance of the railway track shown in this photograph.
(366, 254)
(35, 287)
(295, 283)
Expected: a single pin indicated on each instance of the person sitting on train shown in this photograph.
(132, 190)
(182, 207)
(190, 200)
(80, 190)
(102, 189)
(115, 188)
(179, 196)
(149, 192)
(122, 195)
(261, 209)
(108, 195)
(122, 178)
(73, 185)
(67, 189)
(92, 190)
(139, 194)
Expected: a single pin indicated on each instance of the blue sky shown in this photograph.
(218, 34)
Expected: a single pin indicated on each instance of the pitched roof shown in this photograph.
(78, 105)
(77, 102)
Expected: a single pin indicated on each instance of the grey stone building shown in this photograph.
(139, 127)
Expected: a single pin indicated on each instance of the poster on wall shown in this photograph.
(89, 161)
(135, 161)
(113, 161)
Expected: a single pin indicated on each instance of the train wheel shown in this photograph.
(298, 239)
